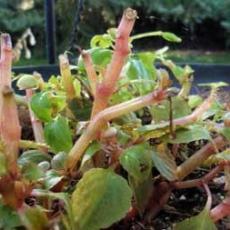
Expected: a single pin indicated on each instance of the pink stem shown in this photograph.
(36, 124)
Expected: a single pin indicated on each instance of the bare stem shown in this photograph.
(106, 88)
(100, 120)
(10, 129)
(36, 124)
(91, 73)
(198, 182)
(200, 156)
(67, 77)
(221, 210)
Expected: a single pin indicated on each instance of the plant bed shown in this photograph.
(111, 143)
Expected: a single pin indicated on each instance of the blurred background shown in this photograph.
(204, 26)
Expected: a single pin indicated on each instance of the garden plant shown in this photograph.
(114, 140)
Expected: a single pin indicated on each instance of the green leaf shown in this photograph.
(180, 108)
(34, 218)
(102, 41)
(165, 162)
(214, 85)
(101, 198)
(199, 222)
(191, 133)
(136, 160)
(52, 178)
(41, 105)
(32, 172)
(33, 156)
(90, 151)
(171, 37)
(3, 165)
(226, 132)
(27, 81)
(58, 134)
(194, 101)
(101, 57)
(142, 190)
(9, 218)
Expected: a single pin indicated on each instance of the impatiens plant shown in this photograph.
(111, 139)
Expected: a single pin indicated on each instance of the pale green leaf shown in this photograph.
(58, 134)
(101, 198)
(200, 222)
(189, 134)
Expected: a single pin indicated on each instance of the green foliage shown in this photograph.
(9, 219)
(102, 186)
(200, 222)
(58, 134)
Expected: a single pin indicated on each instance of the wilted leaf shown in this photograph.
(101, 198)
(58, 134)
(165, 162)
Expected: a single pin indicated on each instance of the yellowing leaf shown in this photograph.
(101, 198)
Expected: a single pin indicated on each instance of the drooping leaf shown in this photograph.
(33, 156)
(41, 105)
(101, 198)
(191, 133)
(136, 160)
(58, 134)
(9, 219)
(34, 218)
(164, 162)
(200, 222)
